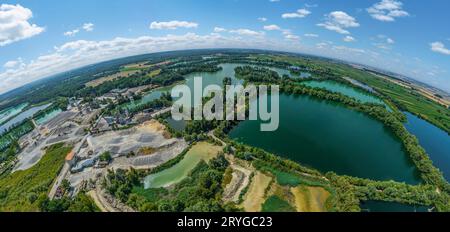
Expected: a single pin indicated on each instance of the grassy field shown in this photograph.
(20, 190)
(276, 204)
(255, 196)
(310, 199)
(154, 73)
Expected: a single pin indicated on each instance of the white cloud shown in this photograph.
(219, 29)
(172, 25)
(323, 45)
(387, 10)
(13, 63)
(88, 26)
(274, 0)
(390, 41)
(246, 32)
(15, 25)
(80, 53)
(338, 21)
(10, 64)
(272, 27)
(292, 37)
(311, 35)
(286, 32)
(262, 19)
(348, 39)
(72, 32)
(439, 47)
(348, 49)
(301, 13)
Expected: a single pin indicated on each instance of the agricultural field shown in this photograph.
(310, 199)
(255, 196)
(121, 74)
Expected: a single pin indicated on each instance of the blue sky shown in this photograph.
(45, 37)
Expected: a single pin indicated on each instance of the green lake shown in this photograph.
(176, 173)
(208, 78)
(330, 137)
(344, 89)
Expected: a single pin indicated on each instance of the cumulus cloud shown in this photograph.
(387, 10)
(172, 25)
(439, 47)
(15, 25)
(272, 27)
(286, 32)
(338, 21)
(13, 63)
(80, 53)
(219, 29)
(292, 37)
(86, 26)
(246, 32)
(301, 13)
(72, 32)
(311, 35)
(348, 39)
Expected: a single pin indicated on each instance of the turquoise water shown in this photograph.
(48, 116)
(21, 117)
(208, 78)
(344, 89)
(6, 114)
(176, 173)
